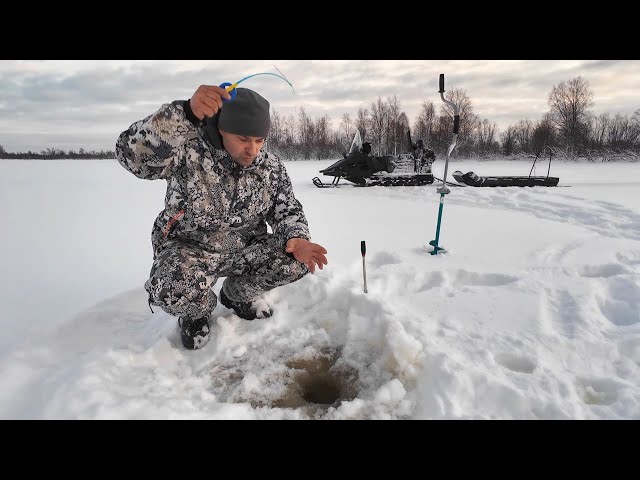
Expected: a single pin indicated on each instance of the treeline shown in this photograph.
(568, 128)
(57, 154)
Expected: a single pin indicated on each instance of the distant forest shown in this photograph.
(57, 154)
(569, 129)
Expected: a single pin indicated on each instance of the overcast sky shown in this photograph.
(87, 103)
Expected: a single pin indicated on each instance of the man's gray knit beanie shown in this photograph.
(247, 114)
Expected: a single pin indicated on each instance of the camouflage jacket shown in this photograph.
(211, 201)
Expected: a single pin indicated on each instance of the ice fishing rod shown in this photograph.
(363, 250)
(443, 190)
(231, 87)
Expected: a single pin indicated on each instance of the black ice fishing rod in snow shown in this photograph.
(363, 250)
(443, 190)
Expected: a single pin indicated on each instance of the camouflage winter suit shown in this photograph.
(214, 223)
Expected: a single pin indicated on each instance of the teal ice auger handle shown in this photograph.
(231, 87)
(443, 190)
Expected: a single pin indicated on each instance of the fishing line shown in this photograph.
(231, 87)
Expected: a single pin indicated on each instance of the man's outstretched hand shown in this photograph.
(307, 252)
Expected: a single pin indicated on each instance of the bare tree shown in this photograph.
(570, 103)
(441, 135)
(424, 124)
(275, 131)
(393, 111)
(378, 123)
(403, 126)
(624, 133)
(306, 132)
(322, 136)
(487, 137)
(600, 130)
(543, 135)
(289, 130)
(347, 129)
(508, 139)
(362, 122)
(523, 132)
(468, 120)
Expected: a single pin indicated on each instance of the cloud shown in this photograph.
(88, 103)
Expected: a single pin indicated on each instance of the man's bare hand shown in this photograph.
(311, 254)
(207, 100)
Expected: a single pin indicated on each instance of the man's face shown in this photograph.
(242, 149)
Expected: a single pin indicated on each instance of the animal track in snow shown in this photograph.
(515, 362)
(483, 279)
(621, 304)
(604, 271)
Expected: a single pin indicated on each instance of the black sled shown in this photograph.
(474, 180)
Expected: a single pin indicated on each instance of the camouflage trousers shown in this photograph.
(183, 275)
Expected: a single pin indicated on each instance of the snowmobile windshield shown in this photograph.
(356, 143)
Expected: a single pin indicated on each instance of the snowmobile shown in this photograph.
(363, 169)
(473, 180)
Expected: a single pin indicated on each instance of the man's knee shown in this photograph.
(178, 289)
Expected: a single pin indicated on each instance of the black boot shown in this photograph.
(194, 332)
(243, 310)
